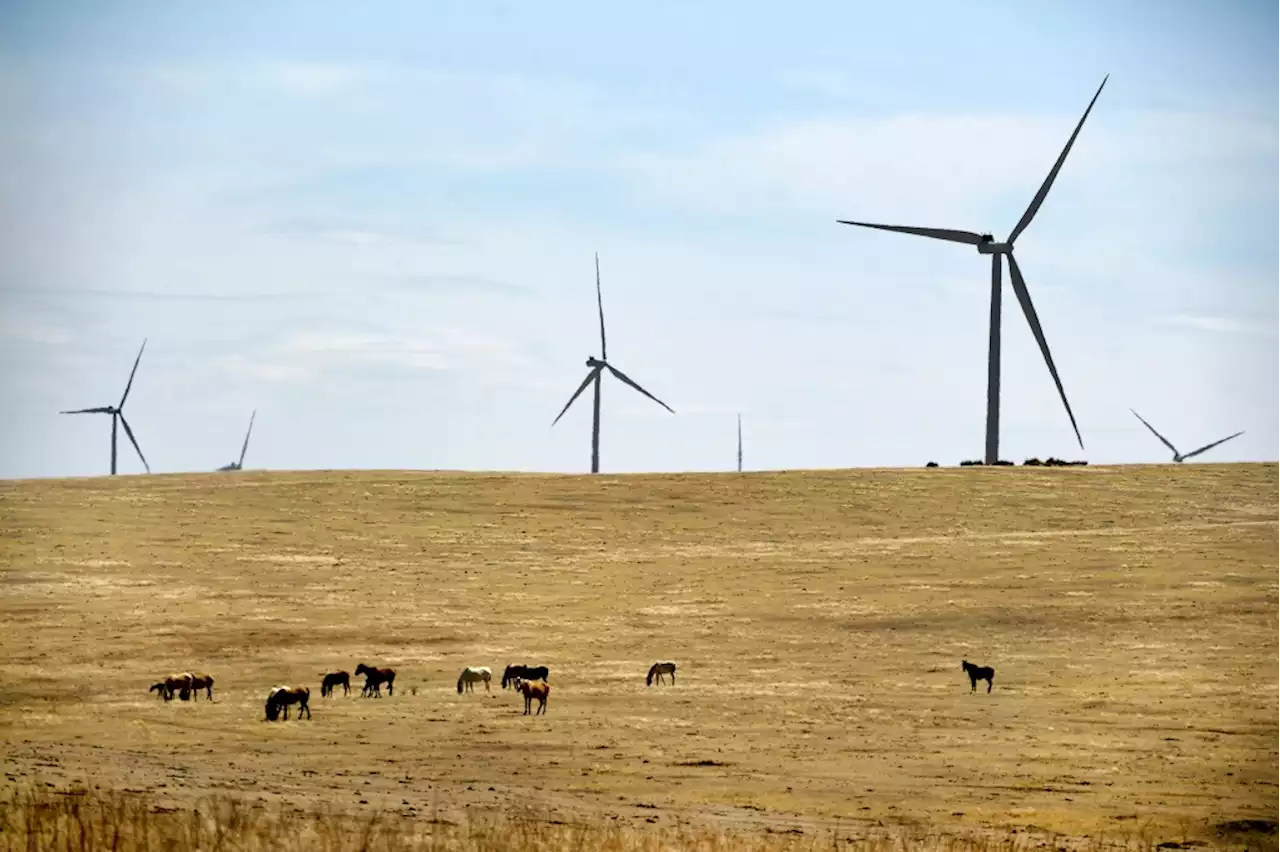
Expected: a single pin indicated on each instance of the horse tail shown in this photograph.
(460, 684)
(648, 679)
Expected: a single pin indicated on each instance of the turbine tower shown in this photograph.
(739, 443)
(986, 244)
(117, 416)
(1181, 457)
(594, 376)
(239, 465)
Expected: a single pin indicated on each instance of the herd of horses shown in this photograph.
(528, 681)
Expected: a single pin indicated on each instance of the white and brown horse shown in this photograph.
(374, 678)
(657, 670)
(282, 696)
(471, 674)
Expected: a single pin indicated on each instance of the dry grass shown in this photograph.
(818, 619)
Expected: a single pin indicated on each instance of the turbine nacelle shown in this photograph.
(593, 363)
(990, 246)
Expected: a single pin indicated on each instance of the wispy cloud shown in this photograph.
(1216, 324)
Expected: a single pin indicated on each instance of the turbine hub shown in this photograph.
(593, 363)
(990, 246)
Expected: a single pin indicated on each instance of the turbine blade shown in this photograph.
(1053, 173)
(604, 355)
(132, 374)
(1208, 447)
(1024, 297)
(101, 410)
(1162, 438)
(245, 448)
(134, 441)
(967, 237)
(595, 371)
(623, 378)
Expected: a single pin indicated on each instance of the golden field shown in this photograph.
(818, 620)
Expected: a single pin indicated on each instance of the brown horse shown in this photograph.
(199, 681)
(282, 696)
(333, 679)
(173, 683)
(532, 689)
(374, 678)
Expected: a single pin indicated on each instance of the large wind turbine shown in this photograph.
(1181, 457)
(597, 369)
(986, 244)
(117, 415)
(239, 465)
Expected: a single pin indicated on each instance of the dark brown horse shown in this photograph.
(374, 678)
(333, 679)
(514, 673)
(174, 683)
(282, 696)
(200, 681)
(977, 673)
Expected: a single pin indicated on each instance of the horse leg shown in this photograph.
(990, 683)
(391, 687)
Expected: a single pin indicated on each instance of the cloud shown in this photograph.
(930, 168)
(14, 329)
(313, 79)
(1220, 325)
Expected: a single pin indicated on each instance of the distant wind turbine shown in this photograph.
(986, 244)
(117, 415)
(1181, 457)
(739, 443)
(597, 368)
(239, 465)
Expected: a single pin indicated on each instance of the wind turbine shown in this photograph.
(239, 465)
(597, 369)
(1181, 457)
(739, 443)
(117, 415)
(986, 244)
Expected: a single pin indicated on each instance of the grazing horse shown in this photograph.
(374, 678)
(514, 673)
(471, 674)
(977, 673)
(199, 681)
(657, 670)
(333, 679)
(282, 696)
(173, 683)
(532, 689)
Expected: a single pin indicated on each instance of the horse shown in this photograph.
(333, 679)
(977, 673)
(282, 696)
(173, 683)
(513, 673)
(199, 681)
(471, 674)
(532, 689)
(374, 678)
(658, 670)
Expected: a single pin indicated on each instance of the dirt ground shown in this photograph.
(818, 621)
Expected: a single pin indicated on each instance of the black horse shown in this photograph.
(977, 673)
(524, 673)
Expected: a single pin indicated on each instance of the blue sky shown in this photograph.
(375, 225)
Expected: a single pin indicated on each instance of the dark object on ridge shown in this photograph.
(932, 464)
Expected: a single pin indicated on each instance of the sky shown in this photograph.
(376, 225)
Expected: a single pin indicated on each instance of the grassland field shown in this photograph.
(818, 620)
